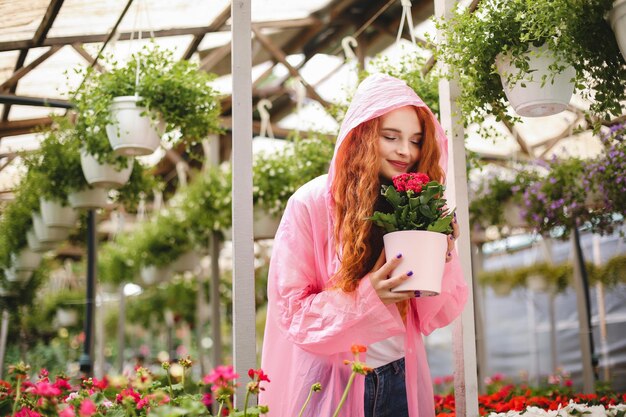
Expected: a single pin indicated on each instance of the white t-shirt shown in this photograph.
(386, 351)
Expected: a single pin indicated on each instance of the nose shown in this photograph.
(402, 147)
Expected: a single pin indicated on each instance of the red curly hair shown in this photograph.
(356, 187)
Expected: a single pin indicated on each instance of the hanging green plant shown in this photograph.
(174, 90)
(570, 29)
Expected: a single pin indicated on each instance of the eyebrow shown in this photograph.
(391, 129)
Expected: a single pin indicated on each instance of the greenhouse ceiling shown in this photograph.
(42, 43)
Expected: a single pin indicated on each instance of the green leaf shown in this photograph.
(393, 197)
(442, 225)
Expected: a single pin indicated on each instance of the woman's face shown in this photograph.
(399, 141)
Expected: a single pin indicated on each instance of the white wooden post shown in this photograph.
(244, 332)
(4, 331)
(604, 347)
(464, 336)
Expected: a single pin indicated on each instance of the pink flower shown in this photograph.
(45, 389)
(207, 399)
(221, 376)
(67, 412)
(25, 412)
(87, 408)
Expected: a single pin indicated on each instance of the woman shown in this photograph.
(329, 284)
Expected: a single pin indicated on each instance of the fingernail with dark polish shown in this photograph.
(399, 256)
(449, 253)
(408, 274)
(451, 237)
(417, 293)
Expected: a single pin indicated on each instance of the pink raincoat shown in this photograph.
(310, 328)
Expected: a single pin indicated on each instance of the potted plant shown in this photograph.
(278, 175)
(470, 43)
(152, 92)
(557, 202)
(417, 224)
(605, 176)
(497, 198)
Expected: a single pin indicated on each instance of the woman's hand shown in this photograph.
(383, 283)
(452, 238)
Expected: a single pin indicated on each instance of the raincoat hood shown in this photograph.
(379, 94)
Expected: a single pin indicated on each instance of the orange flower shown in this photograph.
(358, 349)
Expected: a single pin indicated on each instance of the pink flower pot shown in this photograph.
(424, 253)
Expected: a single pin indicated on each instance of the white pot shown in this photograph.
(35, 245)
(424, 253)
(532, 99)
(47, 234)
(265, 224)
(89, 198)
(66, 317)
(55, 214)
(512, 214)
(25, 260)
(104, 175)
(153, 275)
(188, 261)
(13, 275)
(132, 134)
(617, 17)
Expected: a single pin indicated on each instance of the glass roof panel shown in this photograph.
(32, 112)
(269, 10)
(20, 19)
(7, 64)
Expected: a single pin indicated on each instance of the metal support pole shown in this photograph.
(604, 346)
(581, 285)
(121, 329)
(4, 331)
(86, 358)
(244, 332)
(464, 334)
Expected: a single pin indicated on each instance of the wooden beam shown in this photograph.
(163, 33)
(214, 57)
(90, 60)
(522, 143)
(17, 75)
(280, 56)
(47, 21)
(21, 127)
(215, 25)
(552, 142)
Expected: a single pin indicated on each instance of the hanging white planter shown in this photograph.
(103, 175)
(89, 198)
(188, 261)
(537, 283)
(133, 134)
(47, 234)
(66, 317)
(617, 17)
(153, 275)
(13, 275)
(265, 224)
(25, 260)
(55, 214)
(529, 97)
(35, 245)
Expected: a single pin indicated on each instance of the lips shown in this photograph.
(398, 164)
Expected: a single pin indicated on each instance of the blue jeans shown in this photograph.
(385, 391)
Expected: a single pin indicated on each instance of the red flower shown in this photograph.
(410, 182)
(128, 393)
(207, 399)
(262, 375)
(62, 384)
